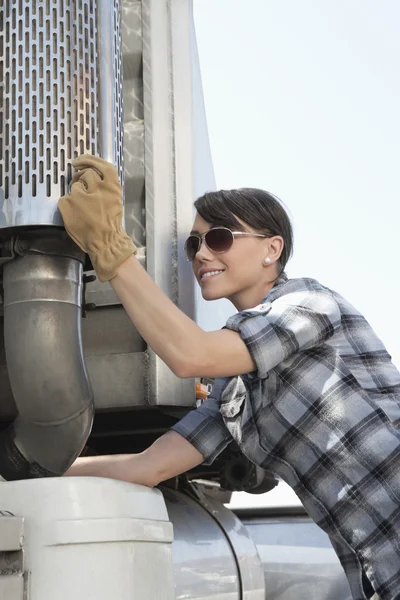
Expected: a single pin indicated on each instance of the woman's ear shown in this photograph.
(274, 249)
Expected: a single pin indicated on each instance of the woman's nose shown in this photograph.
(204, 253)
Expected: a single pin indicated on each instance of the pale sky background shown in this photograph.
(303, 99)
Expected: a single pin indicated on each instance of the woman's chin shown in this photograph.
(211, 294)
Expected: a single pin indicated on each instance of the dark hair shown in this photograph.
(257, 208)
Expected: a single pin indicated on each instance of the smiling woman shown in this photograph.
(303, 384)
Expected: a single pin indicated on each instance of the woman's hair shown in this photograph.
(257, 208)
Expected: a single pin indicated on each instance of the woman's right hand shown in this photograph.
(92, 214)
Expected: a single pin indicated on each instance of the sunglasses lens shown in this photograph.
(192, 247)
(219, 240)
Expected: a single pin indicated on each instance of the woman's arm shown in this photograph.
(188, 350)
(168, 457)
(197, 438)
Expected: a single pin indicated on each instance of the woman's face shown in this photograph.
(240, 274)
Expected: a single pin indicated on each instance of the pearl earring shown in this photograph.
(267, 260)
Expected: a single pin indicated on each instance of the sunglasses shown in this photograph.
(217, 239)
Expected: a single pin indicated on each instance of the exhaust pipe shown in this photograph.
(46, 366)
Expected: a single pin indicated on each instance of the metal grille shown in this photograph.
(49, 102)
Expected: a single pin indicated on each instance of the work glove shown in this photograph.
(92, 214)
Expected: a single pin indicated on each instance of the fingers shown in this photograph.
(102, 167)
(88, 178)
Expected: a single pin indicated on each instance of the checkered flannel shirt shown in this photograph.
(322, 412)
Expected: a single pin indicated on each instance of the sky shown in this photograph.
(302, 99)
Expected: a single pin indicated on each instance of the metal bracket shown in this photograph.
(87, 306)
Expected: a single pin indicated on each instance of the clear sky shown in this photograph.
(303, 99)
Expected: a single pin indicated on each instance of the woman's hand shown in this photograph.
(168, 457)
(92, 215)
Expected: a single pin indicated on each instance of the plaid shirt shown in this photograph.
(321, 412)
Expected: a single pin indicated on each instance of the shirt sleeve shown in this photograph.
(275, 331)
(204, 427)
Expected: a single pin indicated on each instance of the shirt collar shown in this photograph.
(282, 278)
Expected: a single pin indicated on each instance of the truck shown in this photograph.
(120, 79)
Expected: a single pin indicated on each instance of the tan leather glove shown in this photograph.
(92, 215)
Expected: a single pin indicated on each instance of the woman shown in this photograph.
(304, 385)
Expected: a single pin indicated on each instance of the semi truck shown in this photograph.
(119, 79)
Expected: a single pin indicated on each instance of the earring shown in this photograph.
(267, 260)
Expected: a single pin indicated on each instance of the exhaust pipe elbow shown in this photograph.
(46, 367)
